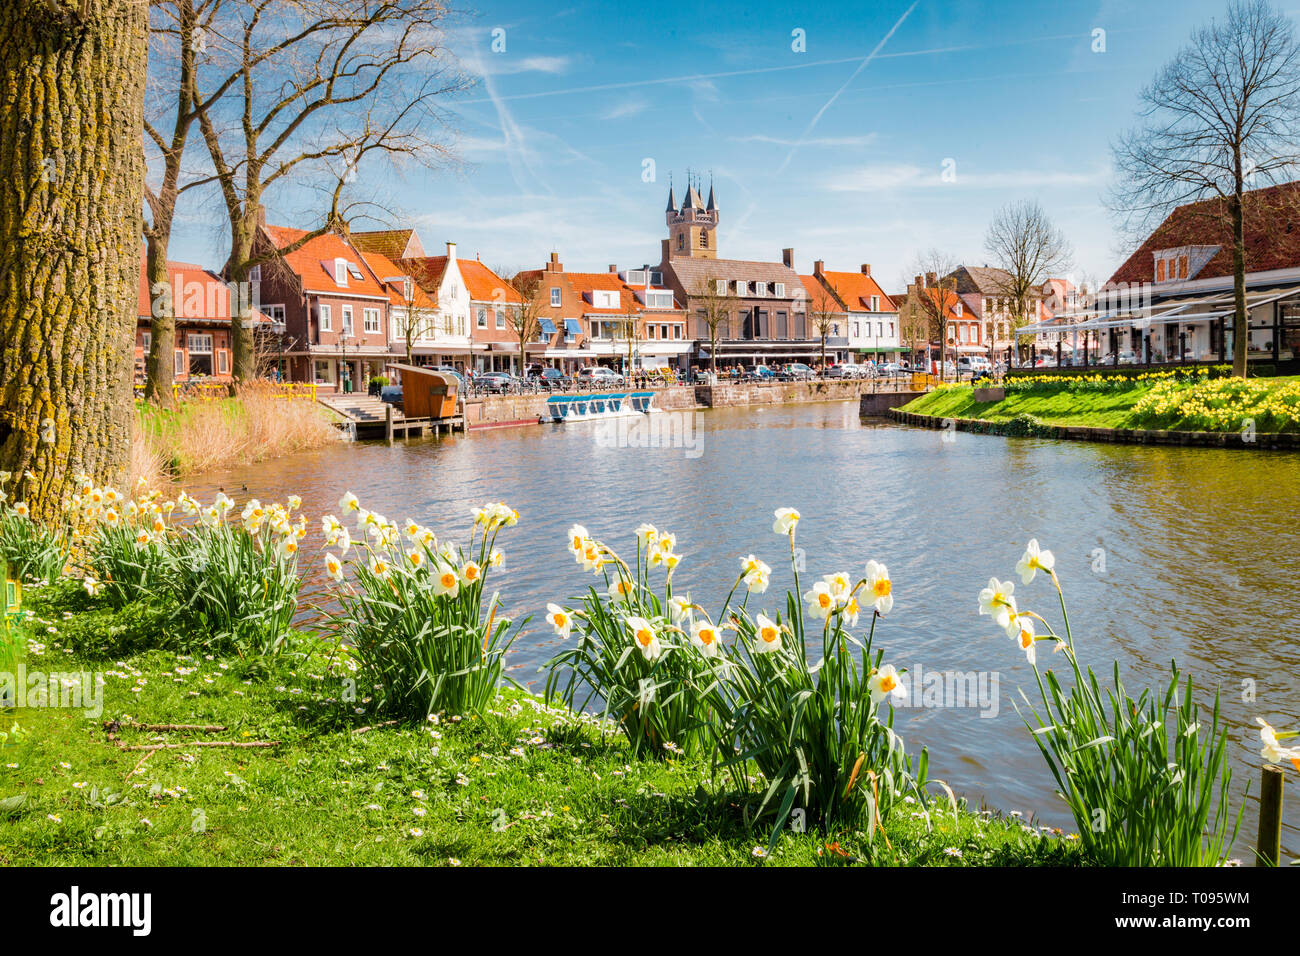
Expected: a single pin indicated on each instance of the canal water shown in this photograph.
(1164, 553)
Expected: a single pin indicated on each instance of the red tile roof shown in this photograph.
(384, 268)
(313, 262)
(485, 285)
(197, 294)
(1272, 233)
(854, 290)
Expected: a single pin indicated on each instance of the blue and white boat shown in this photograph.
(582, 408)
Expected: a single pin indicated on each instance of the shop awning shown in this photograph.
(572, 327)
(548, 327)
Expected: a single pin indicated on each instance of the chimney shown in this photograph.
(818, 266)
(613, 267)
(787, 256)
(918, 283)
(554, 265)
(866, 268)
(665, 251)
(451, 252)
(931, 279)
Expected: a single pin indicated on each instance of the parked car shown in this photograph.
(893, 370)
(496, 381)
(846, 370)
(974, 366)
(599, 376)
(391, 395)
(797, 372)
(1128, 357)
(549, 378)
(460, 377)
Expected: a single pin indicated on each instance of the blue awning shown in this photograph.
(548, 327)
(572, 327)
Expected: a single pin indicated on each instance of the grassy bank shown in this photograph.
(205, 434)
(518, 784)
(1220, 404)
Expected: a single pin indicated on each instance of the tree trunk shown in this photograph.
(72, 81)
(160, 364)
(242, 353)
(1241, 318)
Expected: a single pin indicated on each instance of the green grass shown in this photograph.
(519, 784)
(1095, 409)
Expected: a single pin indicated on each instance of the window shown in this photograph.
(255, 273)
(659, 300)
(326, 323)
(482, 318)
(341, 271)
(875, 303)
(604, 299)
(501, 319)
(370, 320)
(880, 329)
(677, 331)
(704, 238)
(742, 287)
(223, 362)
(778, 290)
(721, 286)
(857, 330)
(656, 278)
(650, 331)
(200, 349)
(760, 288)
(355, 272)
(891, 330)
(347, 320)
(555, 298)
(636, 277)
(146, 339)
(275, 313)
(178, 358)
(681, 242)
(1182, 267)
(1160, 270)
(957, 309)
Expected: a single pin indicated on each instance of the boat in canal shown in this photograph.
(574, 408)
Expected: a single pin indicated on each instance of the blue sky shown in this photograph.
(838, 151)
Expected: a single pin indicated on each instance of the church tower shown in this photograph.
(692, 229)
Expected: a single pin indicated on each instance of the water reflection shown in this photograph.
(1163, 552)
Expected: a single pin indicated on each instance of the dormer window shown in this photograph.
(778, 290)
(957, 309)
(603, 299)
(742, 287)
(721, 286)
(341, 271)
(760, 288)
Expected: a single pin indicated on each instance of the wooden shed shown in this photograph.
(427, 393)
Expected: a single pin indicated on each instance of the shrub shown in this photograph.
(1145, 778)
(237, 580)
(641, 654)
(414, 612)
(814, 731)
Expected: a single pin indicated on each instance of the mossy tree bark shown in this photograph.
(72, 76)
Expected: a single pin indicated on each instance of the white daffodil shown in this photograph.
(471, 573)
(21, 509)
(1034, 560)
(380, 569)
(334, 568)
(497, 558)
(620, 589)
(559, 619)
(678, 608)
(839, 585)
(1273, 751)
(820, 600)
(92, 585)
(1020, 628)
(851, 611)
(880, 588)
(643, 635)
(996, 600)
(884, 683)
(288, 546)
(446, 581)
(767, 635)
(705, 636)
(786, 519)
(294, 502)
(646, 533)
(349, 502)
(415, 557)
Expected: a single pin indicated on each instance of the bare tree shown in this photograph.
(1222, 114)
(933, 296)
(318, 87)
(1030, 250)
(524, 317)
(823, 311)
(177, 32)
(714, 313)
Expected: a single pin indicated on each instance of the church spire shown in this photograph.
(712, 206)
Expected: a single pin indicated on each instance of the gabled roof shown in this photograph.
(691, 271)
(986, 280)
(386, 269)
(313, 262)
(427, 272)
(393, 243)
(198, 294)
(1272, 234)
(854, 290)
(485, 285)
